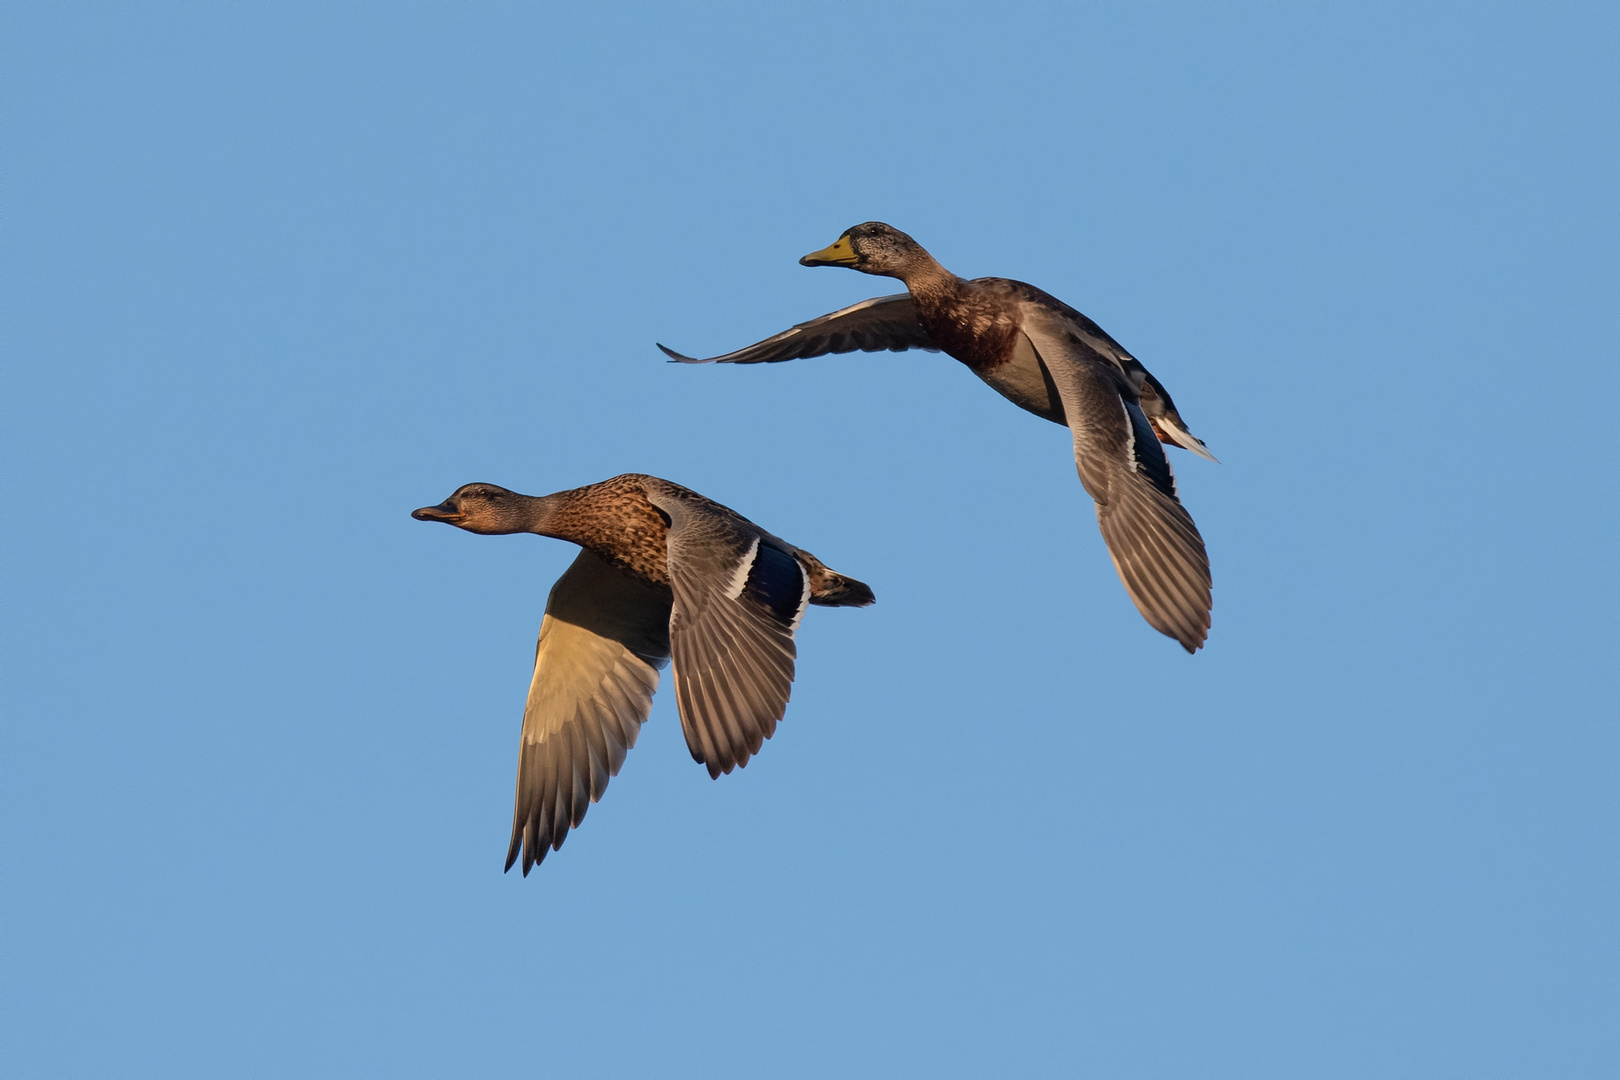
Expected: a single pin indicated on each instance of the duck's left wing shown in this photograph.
(602, 641)
(884, 322)
(1155, 546)
(738, 600)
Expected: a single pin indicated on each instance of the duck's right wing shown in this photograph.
(884, 322)
(1155, 546)
(602, 641)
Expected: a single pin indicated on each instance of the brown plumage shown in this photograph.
(1050, 360)
(664, 573)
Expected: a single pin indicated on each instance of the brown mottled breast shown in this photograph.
(615, 520)
(970, 323)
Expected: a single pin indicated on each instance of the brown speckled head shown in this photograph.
(874, 248)
(483, 508)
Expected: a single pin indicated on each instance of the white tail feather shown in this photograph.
(1185, 439)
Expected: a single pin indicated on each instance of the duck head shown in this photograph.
(482, 508)
(873, 248)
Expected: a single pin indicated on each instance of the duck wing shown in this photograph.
(884, 322)
(602, 640)
(1156, 548)
(739, 595)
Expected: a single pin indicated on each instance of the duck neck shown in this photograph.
(539, 514)
(574, 515)
(926, 279)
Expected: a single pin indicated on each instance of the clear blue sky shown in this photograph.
(274, 275)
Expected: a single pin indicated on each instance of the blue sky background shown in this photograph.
(274, 275)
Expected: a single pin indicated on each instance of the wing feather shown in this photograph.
(732, 648)
(884, 322)
(1156, 549)
(602, 640)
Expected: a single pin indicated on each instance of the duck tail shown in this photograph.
(1172, 432)
(1167, 423)
(836, 590)
(829, 588)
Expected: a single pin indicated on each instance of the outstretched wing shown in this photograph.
(603, 638)
(739, 596)
(884, 322)
(1155, 546)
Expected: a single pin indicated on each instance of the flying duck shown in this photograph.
(1049, 359)
(662, 573)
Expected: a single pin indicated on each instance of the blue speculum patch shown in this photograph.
(777, 581)
(1150, 456)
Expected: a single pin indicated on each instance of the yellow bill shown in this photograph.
(839, 254)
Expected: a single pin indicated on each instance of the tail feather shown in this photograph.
(829, 588)
(1167, 422)
(836, 590)
(1171, 432)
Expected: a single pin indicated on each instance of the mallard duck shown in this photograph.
(663, 573)
(1048, 358)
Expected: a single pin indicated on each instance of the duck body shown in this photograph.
(664, 575)
(1050, 360)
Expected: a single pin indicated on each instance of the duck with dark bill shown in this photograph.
(664, 574)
